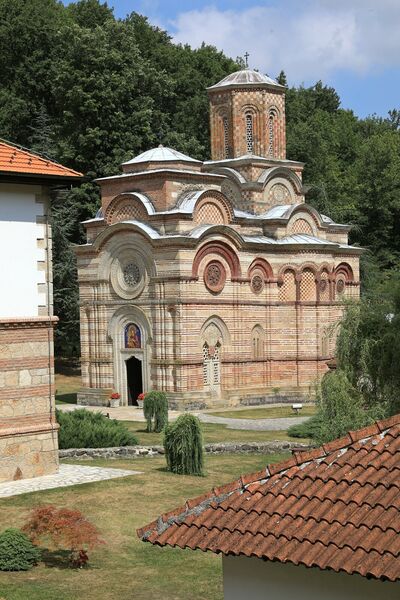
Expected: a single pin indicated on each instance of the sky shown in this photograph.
(352, 45)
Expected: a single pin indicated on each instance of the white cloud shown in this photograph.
(309, 39)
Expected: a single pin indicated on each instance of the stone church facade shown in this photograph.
(213, 281)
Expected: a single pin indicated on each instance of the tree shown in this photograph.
(368, 347)
(155, 409)
(65, 529)
(183, 444)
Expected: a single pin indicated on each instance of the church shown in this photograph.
(213, 281)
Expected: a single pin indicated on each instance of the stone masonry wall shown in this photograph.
(28, 431)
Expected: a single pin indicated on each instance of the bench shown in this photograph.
(297, 408)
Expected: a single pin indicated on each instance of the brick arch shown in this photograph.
(213, 208)
(125, 208)
(220, 249)
(300, 225)
(260, 264)
(287, 267)
(346, 270)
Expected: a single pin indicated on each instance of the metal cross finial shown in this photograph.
(246, 58)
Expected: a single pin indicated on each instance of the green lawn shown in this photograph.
(266, 412)
(66, 389)
(126, 568)
(212, 433)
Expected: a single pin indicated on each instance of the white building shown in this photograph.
(28, 431)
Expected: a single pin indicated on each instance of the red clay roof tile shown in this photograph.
(336, 507)
(17, 160)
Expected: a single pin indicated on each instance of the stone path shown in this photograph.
(253, 424)
(66, 476)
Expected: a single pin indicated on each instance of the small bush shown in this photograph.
(62, 528)
(183, 443)
(155, 410)
(17, 552)
(84, 429)
(308, 429)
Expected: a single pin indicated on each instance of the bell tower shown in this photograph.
(247, 117)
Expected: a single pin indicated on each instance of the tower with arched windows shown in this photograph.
(213, 281)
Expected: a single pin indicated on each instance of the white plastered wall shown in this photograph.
(22, 251)
(255, 579)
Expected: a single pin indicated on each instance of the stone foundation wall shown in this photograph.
(28, 430)
(219, 448)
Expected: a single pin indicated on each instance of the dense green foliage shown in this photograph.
(368, 347)
(17, 553)
(183, 444)
(155, 409)
(84, 429)
(91, 91)
(309, 429)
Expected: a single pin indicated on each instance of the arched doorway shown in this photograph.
(134, 378)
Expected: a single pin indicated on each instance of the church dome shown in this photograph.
(161, 154)
(245, 78)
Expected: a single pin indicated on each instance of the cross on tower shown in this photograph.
(246, 57)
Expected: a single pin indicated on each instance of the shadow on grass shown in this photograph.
(66, 398)
(59, 559)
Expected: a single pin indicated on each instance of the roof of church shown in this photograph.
(245, 78)
(335, 507)
(14, 159)
(161, 154)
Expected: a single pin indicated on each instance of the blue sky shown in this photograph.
(353, 45)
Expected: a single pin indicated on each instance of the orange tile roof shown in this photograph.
(17, 160)
(335, 507)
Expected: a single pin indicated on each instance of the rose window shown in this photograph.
(131, 274)
(340, 286)
(257, 284)
(214, 276)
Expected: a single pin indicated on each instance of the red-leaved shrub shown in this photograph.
(65, 529)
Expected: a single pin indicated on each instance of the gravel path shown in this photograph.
(253, 424)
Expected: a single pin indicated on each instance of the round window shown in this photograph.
(131, 274)
(215, 276)
(257, 284)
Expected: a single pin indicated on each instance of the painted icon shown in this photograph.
(133, 336)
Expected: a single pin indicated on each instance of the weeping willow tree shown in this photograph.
(183, 444)
(368, 347)
(155, 409)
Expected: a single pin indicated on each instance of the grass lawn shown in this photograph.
(266, 412)
(212, 433)
(126, 568)
(66, 389)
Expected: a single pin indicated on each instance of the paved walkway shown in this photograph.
(66, 476)
(253, 424)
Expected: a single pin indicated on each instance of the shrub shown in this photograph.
(308, 429)
(183, 443)
(341, 408)
(155, 410)
(84, 429)
(62, 528)
(17, 552)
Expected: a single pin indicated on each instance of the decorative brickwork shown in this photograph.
(230, 301)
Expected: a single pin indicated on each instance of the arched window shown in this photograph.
(226, 136)
(211, 366)
(257, 342)
(249, 133)
(272, 114)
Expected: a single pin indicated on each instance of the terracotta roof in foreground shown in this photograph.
(335, 507)
(14, 159)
